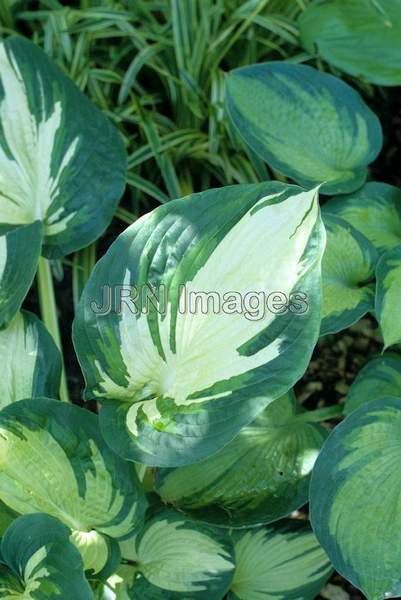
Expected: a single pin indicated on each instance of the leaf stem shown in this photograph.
(82, 265)
(48, 309)
(322, 414)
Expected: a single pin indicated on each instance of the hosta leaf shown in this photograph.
(176, 384)
(381, 376)
(53, 460)
(19, 254)
(355, 498)
(30, 363)
(360, 37)
(310, 126)
(259, 477)
(282, 562)
(61, 161)
(179, 555)
(387, 305)
(375, 210)
(40, 562)
(348, 272)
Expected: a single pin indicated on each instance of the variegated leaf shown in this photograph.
(54, 460)
(360, 37)
(259, 477)
(348, 272)
(30, 362)
(388, 295)
(381, 376)
(281, 562)
(62, 168)
(61, 161)
(310, 126)
(39, 562)
(177, 379)
(374, 210)
(355, 498)
(19, 253)
(179, 555)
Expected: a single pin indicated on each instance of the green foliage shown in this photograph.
(307, 125)
(207, 369)
(387, 296)
(204, 572)
(374, 210)
(381, 376)
(17, 279)
(30, 363)
(348, 273)
(360, 37)
(157, 70)
(66, 199)
(355, 498)
(260, 477)
(283, 561)
(39, 561)
(199, 319)
(54, 460)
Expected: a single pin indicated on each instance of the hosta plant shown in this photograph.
(186, 469)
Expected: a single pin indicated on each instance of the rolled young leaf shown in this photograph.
(282, 562)
(348, 272)
(54, 460)
(374, 210)
(259, 477)
(100, 554)
(30, 362)
(19, 254)
(236, 272)
(39, 561)
(179, 555)
(308, 125)
(387, 304)
(359, 37)
(381, 376)
(355, 491)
